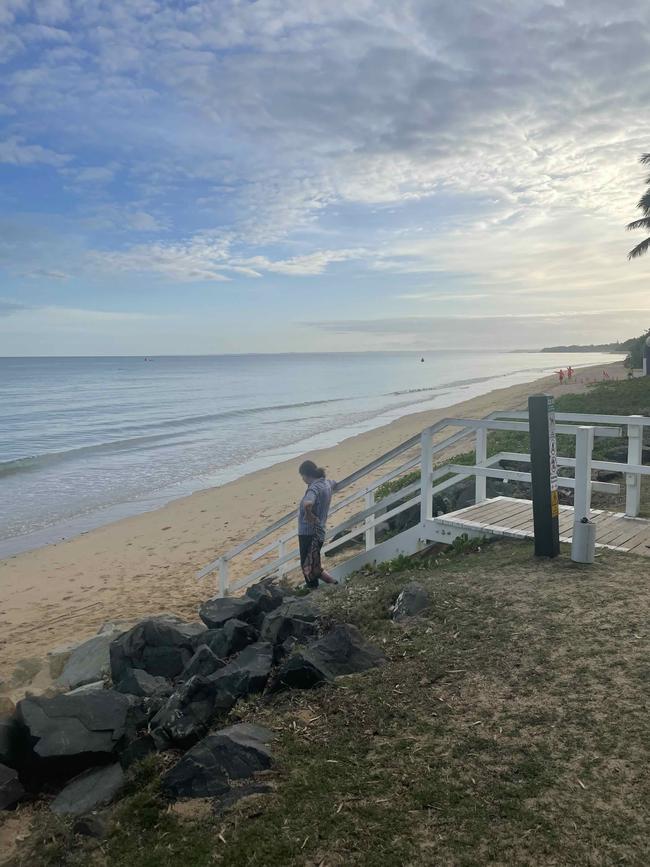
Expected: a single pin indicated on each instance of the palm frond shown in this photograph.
(639, 250)
(643, 223)
(644, 203)
(644, 159)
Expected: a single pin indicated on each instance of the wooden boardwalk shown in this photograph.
(506, 516)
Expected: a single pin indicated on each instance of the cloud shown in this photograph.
(8, 308)
(45, 272)
(487, 147)
(14, 151)
(497, 331)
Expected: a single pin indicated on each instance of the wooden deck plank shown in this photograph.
(513, 517)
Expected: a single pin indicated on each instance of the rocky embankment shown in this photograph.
(168, 685)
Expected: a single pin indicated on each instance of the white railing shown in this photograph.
(363, 524)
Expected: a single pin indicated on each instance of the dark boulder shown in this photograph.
(215, 613)
(247, 672)
(160, 647)
(92, 789)
(295, 618)
(341, 651)
(137, 749)
(203, 662)
(231, 638)
(93, 825)
(413, 600)
(138, 682)
(72, 725)
(11, 790)
(206, 770)
(183, 719)
(267, 597)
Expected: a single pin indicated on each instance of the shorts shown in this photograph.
(310, 558)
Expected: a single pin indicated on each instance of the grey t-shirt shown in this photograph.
(319, 492)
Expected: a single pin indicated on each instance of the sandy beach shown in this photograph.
(147, 564)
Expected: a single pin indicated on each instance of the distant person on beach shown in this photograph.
(569, 373)
(312, 519)
(561, 376)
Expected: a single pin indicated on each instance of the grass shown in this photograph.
(509, 726)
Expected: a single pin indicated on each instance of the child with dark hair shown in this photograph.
(312, 520)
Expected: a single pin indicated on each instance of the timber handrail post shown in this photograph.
(634, 457)
(282, 550)
(369, 522)
(223, 577)
(480, 459)
(582, 497)
(426, 472)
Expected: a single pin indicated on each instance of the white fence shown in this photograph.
(436, 479)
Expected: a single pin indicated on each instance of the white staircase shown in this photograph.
(276, 549)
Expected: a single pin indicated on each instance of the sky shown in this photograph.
(306, 175)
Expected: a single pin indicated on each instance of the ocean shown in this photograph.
(85, 441)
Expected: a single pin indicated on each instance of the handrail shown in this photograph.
(608, 426)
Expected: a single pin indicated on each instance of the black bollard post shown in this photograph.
(543, 470)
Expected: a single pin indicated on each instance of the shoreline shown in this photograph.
(66, 528)
(145, 564)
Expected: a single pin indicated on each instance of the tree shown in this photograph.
(644, 221)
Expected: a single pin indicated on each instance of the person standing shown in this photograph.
(312, 521)
(561, 376)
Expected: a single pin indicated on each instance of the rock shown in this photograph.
(215, 613)
(233, 753)
(203, 662)
(26, 670)
(93, 825)
(160, 647)
(7, 707)
(88, 687)
(295, 618)
(137, 749)
(139, 682)
(58, 656)
(247, 672)
(413, 600)
(267, 597)
(341, 651)
(89, 662)
(231, 638)
(11, 790)
(185, 716)
(72, 725)
(92, 789)
(9, 734)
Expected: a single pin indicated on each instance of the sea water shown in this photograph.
(84, 441)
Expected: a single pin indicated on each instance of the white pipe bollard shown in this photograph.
(583, 541)
(370, 529)
(632, 480)
(481, 458)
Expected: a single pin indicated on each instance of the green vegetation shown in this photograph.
(507, 727)
(633, 347)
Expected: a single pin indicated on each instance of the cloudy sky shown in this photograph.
(280, 175)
